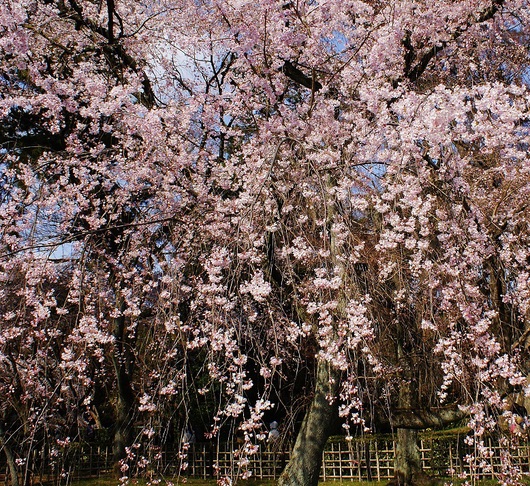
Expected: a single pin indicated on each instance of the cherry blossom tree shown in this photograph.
(343, 184)
(65, 139)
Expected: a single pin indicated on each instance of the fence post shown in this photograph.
(451, 468)
(377, 461)
(324, 464)
(359, 461)
(492, 457)
(260, 462)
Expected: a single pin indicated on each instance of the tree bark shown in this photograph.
(123, 435)
(426, 418)
(304, 466)
(10, 458)
(407, 463)
(124, 407)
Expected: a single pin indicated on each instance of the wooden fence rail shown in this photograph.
(369, 460)
(359, 460)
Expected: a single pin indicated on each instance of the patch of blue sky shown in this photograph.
(63, 251)
(336, 44)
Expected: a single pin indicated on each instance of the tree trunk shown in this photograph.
(407, 463)
(10, 458)
(123, 435)
(124, 407)
(304, 466)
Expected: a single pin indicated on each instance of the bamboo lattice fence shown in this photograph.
(359, 460)
(367, 460)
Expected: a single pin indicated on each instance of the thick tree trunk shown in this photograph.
(306, 457)
(10, 458)
(124, 405)
(123, 435)
(409, 421)
(407, 463)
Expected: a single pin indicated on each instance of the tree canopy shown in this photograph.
(204, 200)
